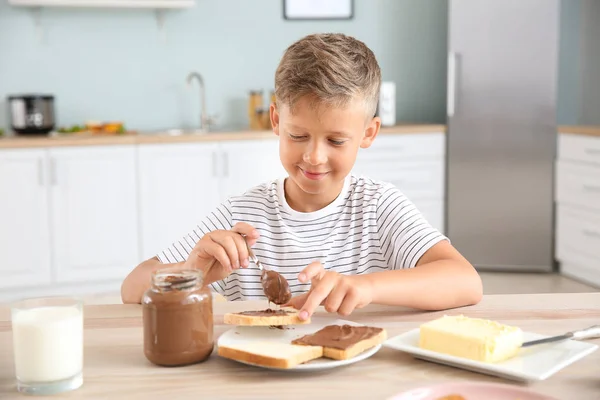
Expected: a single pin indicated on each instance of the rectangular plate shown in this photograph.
(535, 363)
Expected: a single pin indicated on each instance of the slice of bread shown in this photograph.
(330, 335)
(290, 318)
(271, 354)
(356, 349)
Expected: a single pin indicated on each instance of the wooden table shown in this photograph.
(115, 367)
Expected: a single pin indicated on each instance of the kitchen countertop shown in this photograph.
(115, 366)
(587, 130)
(160, 137)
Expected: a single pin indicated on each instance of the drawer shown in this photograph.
(578, 184)
(577, 234)
(416, 179)
(579, 148)
(405, 147)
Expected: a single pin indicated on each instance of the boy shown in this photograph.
(340, 240)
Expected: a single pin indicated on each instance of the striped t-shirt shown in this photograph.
(370, 227)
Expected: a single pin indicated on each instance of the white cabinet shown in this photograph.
(414, 163)
(78, 219)
(94, 212)
(179, 185)
(24, 236)
(248, 163)
(577, 196)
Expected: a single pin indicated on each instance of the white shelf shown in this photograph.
(105, 3)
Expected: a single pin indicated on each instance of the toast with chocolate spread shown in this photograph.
(268, 317)
(342, 342)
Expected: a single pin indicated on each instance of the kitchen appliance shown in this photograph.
(501, 141)
(387, 103)
(31, 114)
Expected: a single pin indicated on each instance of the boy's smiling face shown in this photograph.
(318, 148)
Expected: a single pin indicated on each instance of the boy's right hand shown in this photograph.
(219, 252)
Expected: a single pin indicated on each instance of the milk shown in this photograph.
(48, 343)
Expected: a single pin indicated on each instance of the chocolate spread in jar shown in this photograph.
(276, 287)
(339, 336)
(178, 318)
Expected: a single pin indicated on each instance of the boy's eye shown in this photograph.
(337, 142)
(294, 137)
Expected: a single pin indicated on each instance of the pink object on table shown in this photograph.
(471, 391)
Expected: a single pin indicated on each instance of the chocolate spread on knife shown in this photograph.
(266, 313)
(276, 287)
(177, 318)
(339, 336)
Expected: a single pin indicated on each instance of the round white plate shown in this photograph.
(241, 334)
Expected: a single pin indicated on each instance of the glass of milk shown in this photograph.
(48, 344)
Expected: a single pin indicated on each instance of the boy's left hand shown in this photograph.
(338, 293)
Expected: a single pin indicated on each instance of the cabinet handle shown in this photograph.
(52, 172)
(40, 172)
(214, 164)
(591, 188)
(225, 164)
(593, 152)
(590, 233)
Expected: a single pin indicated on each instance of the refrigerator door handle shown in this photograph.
(451, 92)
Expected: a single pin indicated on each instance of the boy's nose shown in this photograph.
(315, 155)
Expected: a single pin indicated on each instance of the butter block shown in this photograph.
(472, 338)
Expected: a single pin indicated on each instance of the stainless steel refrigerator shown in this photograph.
(502, 79)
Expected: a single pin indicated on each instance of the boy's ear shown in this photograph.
(370, 132)
(274, 115)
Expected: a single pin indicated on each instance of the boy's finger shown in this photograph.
(228, 243)
(218, 252)
(242, 250)
(316, 296)
(335, 298)
(297, 302)
(349, 304)
(247, 230)
(314, 270)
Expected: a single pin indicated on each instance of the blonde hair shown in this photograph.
(332, 69)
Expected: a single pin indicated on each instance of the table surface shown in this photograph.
(115, 367)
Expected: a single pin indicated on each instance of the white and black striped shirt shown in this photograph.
(370, 227)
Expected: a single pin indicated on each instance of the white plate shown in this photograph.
(534, 363)
(240, 334)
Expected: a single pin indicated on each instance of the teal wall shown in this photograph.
(113, 64)
(569, 89)
(579, 63)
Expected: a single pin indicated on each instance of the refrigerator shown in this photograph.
(501, 137)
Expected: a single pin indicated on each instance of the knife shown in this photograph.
(587, 333)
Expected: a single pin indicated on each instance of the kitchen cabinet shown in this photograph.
(179, 185)
(577, 197)
(249, 163)
(94, 212)
(69, 215)
(24, 210)
(414, 163)
(75, 219)
(182, 183)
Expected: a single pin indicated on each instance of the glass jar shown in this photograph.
(177, 318)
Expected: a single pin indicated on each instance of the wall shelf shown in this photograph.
(155, 4)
